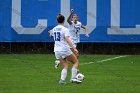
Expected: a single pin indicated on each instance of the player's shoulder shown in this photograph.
(65, 28)
(55, 27)
(58, 27)
(78, 22)
(72, 22)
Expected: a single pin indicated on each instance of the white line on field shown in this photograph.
(100, 61)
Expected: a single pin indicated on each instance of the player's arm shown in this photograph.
(70, 44)
(68, 19)
(86, 30)
(51, 34)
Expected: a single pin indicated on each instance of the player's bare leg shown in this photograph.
(64, 71)
(76, 54)
(72, 58)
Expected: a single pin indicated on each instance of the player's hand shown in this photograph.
(50, 33)
(87, 35)
(75, 50)
(72, 10)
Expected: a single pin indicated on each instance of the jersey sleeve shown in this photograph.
(80, 23)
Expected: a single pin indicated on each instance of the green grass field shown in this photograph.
(35, 73)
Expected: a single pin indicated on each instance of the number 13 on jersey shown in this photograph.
(57, 36)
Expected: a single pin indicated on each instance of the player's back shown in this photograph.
(59, 33)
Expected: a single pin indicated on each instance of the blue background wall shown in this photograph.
(32, 10)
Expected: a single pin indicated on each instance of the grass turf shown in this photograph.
(35, 73)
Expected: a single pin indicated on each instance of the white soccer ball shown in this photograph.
(80, 76)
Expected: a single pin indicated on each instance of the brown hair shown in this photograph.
(60, 18)
(74, 15)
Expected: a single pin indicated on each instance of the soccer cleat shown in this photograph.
(57, 62)
(74, 80)
(62, 82)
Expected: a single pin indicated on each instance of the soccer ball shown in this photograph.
(80, 76)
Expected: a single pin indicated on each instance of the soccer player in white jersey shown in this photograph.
(62, 50)
(75, 27)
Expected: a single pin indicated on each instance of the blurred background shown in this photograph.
(113, 25)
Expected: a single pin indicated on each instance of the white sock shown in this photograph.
(73, 72)
(63, 74)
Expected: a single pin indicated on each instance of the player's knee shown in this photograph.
(77, 56)
(76, 64)
(66, 66)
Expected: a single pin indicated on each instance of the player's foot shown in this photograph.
(74, 80)
(57, 62)
(62, 82)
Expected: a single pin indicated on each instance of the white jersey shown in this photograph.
(59, 33)
(75, 31)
